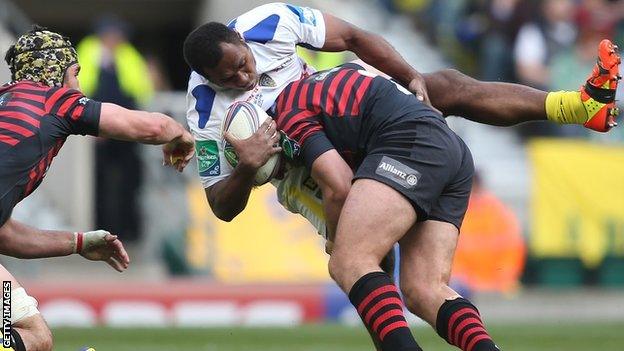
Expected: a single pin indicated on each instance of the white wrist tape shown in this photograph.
(87, 240)
(22, 305)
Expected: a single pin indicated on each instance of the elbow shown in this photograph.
(223, 214)
(226, 217)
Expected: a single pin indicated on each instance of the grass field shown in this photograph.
(564, 337)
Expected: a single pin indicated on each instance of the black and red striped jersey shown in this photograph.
(341, 109)
(35, 120)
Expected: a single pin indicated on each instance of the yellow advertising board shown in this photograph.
(577, 200)
(265, 243)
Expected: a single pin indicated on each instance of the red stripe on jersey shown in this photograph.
(33, 97)
(16, 129)
(66, 105)
(77, 112)
(303, 96)
(291, 94)
(29, 107)
(355, 110)
(33, 85)
(346, 92)
(20, 116)
(281, 99)
(316, 95)
(308, 132)
(331, 93)
(298, 117)
(8, 140)
(32, 175)
(54, 98)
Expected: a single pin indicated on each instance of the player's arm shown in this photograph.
(229, 197)
(333, 176)
(374, 50)
(120, 123)
(22, 241)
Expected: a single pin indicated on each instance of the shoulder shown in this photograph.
(251, 18)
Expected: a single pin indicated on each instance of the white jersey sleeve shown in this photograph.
(206, 106)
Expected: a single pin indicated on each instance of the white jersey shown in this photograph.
(272, 32)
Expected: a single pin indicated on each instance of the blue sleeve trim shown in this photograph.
(205, 96)
(301, 13)
(264, 31)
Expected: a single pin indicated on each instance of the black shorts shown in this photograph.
(423, 159)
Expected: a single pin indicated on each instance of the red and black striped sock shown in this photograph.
(379, 304)
(459, 323)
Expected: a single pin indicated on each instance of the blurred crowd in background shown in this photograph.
(547, 44)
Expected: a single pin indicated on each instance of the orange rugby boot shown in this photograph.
(598, 93)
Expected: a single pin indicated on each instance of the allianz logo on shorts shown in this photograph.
(398, 172)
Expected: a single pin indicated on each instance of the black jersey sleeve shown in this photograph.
(305, 128)
(80, 114)
(315, 145)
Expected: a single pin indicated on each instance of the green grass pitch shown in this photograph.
(525, 337)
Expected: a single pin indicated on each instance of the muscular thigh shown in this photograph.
(427, 252)
(374, 217)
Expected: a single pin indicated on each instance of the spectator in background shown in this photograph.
(504, 19)
(538, 41)
(490, 255)
(112, 70)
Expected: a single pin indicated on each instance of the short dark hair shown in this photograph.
(202, 47)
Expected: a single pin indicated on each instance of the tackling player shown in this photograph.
(39, 109)
(411, 183)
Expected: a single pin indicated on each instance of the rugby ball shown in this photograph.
(242, 120)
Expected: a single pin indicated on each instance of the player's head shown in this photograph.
(45, 57)
(221, 55)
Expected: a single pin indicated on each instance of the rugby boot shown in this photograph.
(598, 93)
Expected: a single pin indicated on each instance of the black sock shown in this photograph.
(379, 305)
(16, 341)
(459, 323)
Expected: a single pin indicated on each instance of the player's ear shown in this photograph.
(240, 36)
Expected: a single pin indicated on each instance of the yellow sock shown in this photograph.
(566, 107)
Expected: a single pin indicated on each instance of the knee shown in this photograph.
(446, 89)
(453, 76)
(415, 296)
(337, 267)
(36, 335)
(345, 270)
(45, 340)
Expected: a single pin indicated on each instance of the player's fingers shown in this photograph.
(109, 238)
(120, 250)
(116, 265)
(230, 138)
(275, 136)
(265, 125)
(272, 128)
(122, 260)
(167, 156)
(276, 150)
(189, 155)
